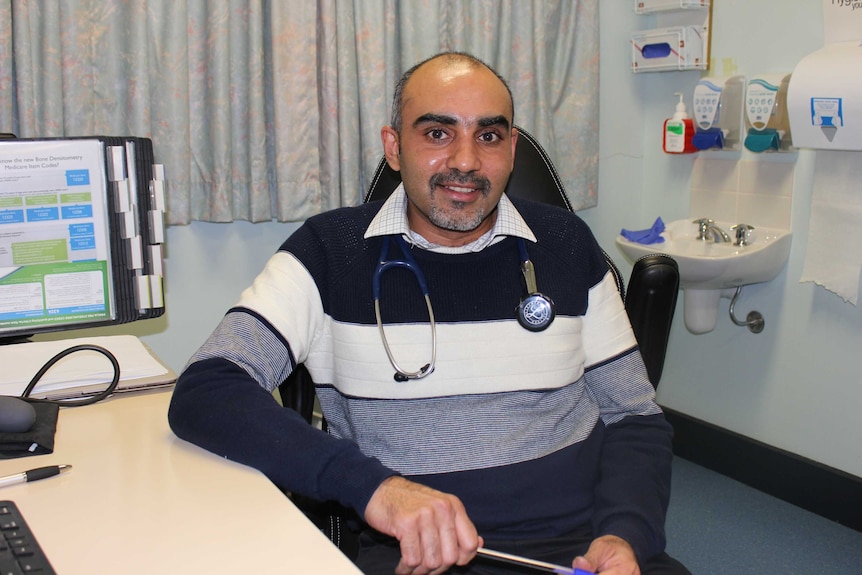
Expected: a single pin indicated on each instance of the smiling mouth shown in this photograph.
(461, 183)
(459, 189)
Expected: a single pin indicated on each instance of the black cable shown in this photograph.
(75, 402)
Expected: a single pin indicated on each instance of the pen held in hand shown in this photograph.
(34, 474)
(532, 563)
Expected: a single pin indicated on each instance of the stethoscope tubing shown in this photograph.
(534, 313)
(409, 263)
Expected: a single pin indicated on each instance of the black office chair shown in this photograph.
(650, 301)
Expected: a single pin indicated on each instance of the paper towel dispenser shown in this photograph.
(824, 99)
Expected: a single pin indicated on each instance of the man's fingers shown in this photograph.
(449, 545)
(468, 539)
(433, 529)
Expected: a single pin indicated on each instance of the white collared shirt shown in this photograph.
(392, 219)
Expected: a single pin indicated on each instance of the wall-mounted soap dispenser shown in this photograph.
(679, 130)
(766, 118)
(718, 107)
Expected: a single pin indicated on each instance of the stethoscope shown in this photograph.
(535, 311)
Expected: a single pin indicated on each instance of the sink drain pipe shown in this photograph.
(754, 320)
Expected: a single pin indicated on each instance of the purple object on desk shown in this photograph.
(648, 236)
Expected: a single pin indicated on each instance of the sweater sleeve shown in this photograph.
(223, 399)
(634, 483)
(633, 490)
(219, 407)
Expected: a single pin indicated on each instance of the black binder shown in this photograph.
(131, 186)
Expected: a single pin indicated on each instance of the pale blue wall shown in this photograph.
(796, 386)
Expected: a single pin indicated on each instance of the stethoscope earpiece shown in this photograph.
(401, 376)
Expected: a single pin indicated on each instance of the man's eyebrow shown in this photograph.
(452, 121)
(495, 121)
(435, 119)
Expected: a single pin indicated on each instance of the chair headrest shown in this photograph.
(533, 176)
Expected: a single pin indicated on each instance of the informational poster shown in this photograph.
(842, 21)
(54, 233)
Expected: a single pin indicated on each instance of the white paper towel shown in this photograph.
(834, 255)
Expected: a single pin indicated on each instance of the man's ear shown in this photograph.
(391, 147)
(514, 145)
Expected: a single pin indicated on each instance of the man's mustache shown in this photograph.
(481, 183)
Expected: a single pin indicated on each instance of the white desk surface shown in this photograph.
(138, 500)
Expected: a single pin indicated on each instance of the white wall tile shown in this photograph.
(716, 205)
(768, 178)
(770, 211)
(710, 174)
(756, 192)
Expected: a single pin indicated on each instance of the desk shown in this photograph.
(153, 504)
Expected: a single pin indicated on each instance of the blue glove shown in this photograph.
(648, 236)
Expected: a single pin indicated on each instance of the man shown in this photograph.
(544, 442)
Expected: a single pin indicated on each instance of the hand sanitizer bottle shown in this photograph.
(678, 131)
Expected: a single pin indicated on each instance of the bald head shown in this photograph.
(446, 64)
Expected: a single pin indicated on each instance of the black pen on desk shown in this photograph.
(34, 474)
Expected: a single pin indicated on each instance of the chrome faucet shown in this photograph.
(743, 232)
(707, 229)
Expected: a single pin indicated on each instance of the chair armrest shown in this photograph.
(650, 303)
(297, 392)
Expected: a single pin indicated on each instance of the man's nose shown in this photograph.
(465, 155)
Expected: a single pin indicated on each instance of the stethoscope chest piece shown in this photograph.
(535, 312)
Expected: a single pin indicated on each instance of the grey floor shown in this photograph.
(719, 526)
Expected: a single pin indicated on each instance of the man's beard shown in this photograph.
(456, 218)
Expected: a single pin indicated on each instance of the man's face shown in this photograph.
(455, 150)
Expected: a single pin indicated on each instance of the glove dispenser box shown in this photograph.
(666, 49)
(718, 107)
(766, 117)
(825, 98)
(647, 6)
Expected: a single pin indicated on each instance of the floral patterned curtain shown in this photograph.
(271, 109)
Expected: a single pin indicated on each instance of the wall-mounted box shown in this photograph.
(766, 118)
(674, 48)
(718, 113)
(648, 6)
(824, 99)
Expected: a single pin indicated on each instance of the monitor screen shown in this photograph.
(81, 229)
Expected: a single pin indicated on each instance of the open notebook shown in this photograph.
(82, 373)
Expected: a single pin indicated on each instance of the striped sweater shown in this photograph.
(538, 433)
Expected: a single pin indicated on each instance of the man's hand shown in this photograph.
(609, 555)
(432, 527)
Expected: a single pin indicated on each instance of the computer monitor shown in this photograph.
(81, 234)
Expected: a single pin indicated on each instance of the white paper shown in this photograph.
(55, 246)
(842, 20)
(833, 258)
(21, 361)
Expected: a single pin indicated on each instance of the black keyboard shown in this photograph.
(20, 553)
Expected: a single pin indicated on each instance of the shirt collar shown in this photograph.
(392, 220)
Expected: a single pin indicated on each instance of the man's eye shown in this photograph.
(489, 137)
(437, 134)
